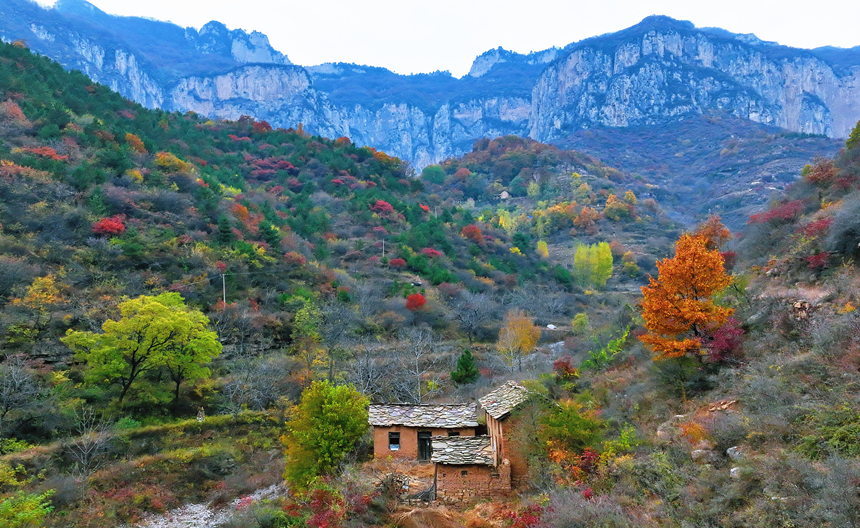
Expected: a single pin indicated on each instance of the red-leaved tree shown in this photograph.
(415, 301)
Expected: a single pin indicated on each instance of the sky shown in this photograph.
(421, 36)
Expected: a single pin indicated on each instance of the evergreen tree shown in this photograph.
(225, 230)
(466, 371)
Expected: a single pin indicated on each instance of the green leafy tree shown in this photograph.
(24, 510)
(466, 371)
(323, 429)
(152, 332)
(592, 264)
(854, 137)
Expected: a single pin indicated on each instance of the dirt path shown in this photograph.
(202, 516)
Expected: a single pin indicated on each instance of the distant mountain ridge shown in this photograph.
(659, 71)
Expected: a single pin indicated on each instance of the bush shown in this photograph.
(845, 230)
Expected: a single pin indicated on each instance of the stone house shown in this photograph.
(466, 466)
(405, 431)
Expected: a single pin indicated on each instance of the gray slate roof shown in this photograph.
(461, 450)
(435, 416)
(505, 399)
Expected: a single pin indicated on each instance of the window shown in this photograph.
(393, 441)
(464, 473)
(453, 433)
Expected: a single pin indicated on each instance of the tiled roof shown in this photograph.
(435, 416)
(504, 399)
(462, 450)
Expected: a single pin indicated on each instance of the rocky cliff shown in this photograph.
(663, 69)
(658, 71)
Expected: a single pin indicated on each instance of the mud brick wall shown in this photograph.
(408, 440)
(467, 483)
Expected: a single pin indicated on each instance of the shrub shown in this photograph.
(109, 226)
(415, 301)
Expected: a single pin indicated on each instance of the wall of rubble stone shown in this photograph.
(466, 483)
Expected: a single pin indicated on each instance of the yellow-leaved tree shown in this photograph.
(677, 306)
(518, 337)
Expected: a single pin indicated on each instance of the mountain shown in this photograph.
(662, 69)
(658, 71)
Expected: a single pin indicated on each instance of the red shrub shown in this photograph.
(430, 252)
(109, 226)
(817, 228)
(415, 301)
(382, 207)
(782, 213)
(425, 208)
(261, 127)
(730, 258)
(397, 263)
(294, 259)
(818, 261)
(473, 233)
(725, 342)
(564, 368)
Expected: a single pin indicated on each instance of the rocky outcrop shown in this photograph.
(663, 69)
(215, 38)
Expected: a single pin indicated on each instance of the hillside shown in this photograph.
(318, 260)
(710, 164)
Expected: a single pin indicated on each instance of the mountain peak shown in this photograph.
(77, 7)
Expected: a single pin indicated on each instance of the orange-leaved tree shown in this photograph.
(677, 306)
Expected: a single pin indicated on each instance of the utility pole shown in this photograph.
(223, 289)
(383, 248)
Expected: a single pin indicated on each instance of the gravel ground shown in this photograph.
(202, 516)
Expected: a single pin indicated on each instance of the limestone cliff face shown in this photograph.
(424, 137)
(648, 75)
(282, 95)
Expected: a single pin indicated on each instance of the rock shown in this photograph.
(735, 472)
(734, 453)
(704, 456)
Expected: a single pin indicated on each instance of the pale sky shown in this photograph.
(415, 36)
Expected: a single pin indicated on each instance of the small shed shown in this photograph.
(405, 430)
(466, 469)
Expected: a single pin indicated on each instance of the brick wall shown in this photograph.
(408, 440)
(513, 452)
(471, 482)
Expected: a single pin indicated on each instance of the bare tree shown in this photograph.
(89, 445)
(20, 389)
(418, 363)
(473, 310)
(337, 325)
(370, 369)
(258, 382)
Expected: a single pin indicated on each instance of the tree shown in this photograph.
(151, 332)
(714, 232)
(592, 264)
(24, 510)
(20, 389)
(518, 337)
(472, 310)
(466, 371)
(323, 429)
(677, 306)
(415, 301)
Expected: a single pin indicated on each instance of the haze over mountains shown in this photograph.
(658, 71)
